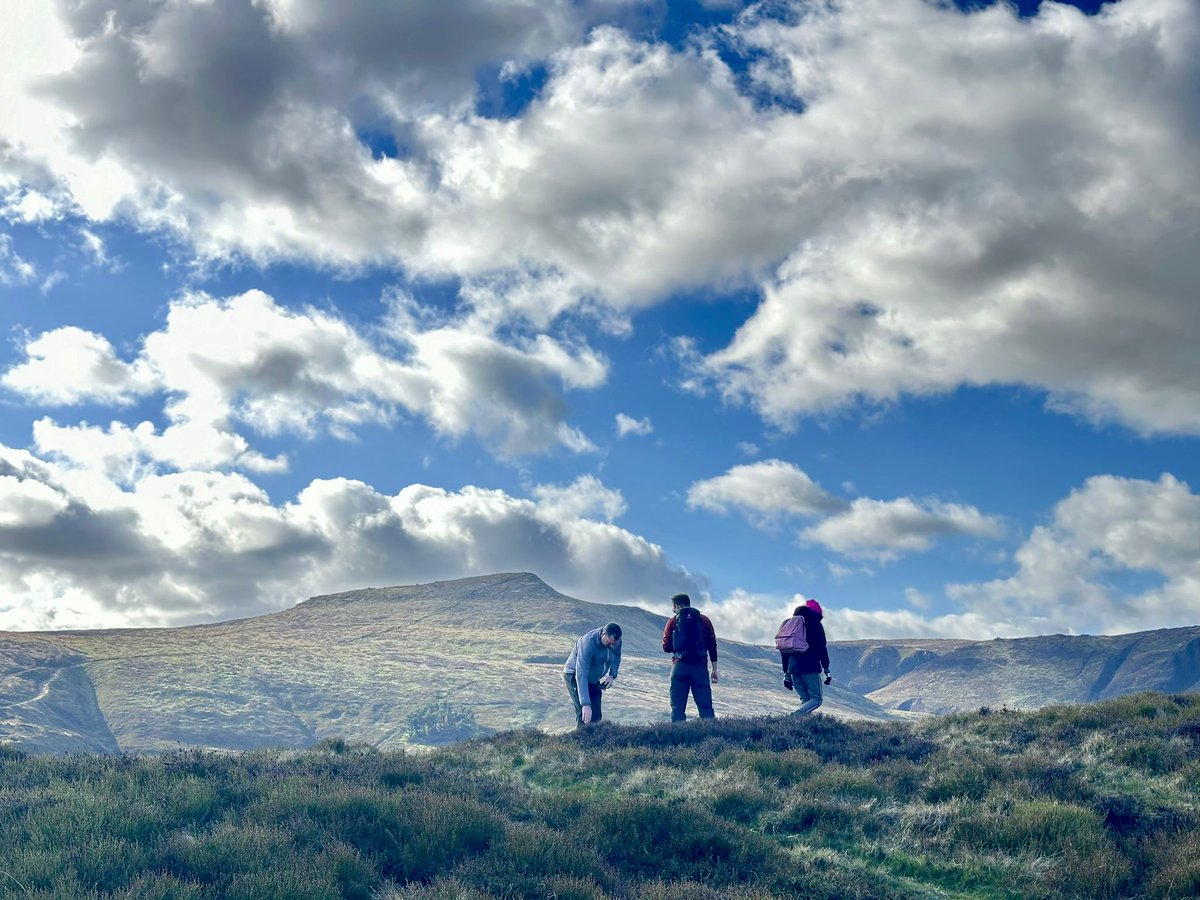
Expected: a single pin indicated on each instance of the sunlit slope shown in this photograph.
(421, 664)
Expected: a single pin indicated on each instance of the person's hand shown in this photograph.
(715, 676)
(606, 681)
(587, 715)
(828, 677)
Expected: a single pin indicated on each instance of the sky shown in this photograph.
(890, 303)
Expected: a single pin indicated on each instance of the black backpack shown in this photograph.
(687, 639)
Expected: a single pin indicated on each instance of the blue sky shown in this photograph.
(890, 303)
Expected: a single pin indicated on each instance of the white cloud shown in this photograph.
(603, 189)
(247, 361)
(749, 617)
(513, 395)
(33, 44)
(627, 425)
(964, 199)
(70, 365)
(128, 453)
(93, 246)
(754, 618)
(28, 503)
(990, 201)
(855, 624)
(916, 599)
(1119, 555)
(1108, 529)
(764, 491)
(52, 281)
(883, 529)
(78, 550)
(14, 269)
(585, 497)
(28, 206)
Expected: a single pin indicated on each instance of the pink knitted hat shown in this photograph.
(814, 606)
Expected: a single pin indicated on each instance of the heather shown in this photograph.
(1097, 800)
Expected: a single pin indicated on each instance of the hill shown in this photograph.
(1073, 801)
(434, 663)
(414, 665)
(1019, 673)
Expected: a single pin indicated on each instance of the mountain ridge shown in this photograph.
(426, 664)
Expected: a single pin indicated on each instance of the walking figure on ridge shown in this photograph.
(804, 654)
(690, 639)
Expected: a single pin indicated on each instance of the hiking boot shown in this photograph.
(787, 682)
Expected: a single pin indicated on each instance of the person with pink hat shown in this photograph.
(803, 669)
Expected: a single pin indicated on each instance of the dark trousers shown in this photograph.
(594, 695)
(690, 676)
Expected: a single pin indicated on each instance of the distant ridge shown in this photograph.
(428, 664)
(1021, 673)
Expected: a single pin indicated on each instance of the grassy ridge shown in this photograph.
(1069, 801)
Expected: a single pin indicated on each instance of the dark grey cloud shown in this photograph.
(77, 550)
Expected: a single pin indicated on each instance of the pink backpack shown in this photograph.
(791, 636)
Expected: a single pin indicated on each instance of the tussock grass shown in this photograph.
(1069, 801)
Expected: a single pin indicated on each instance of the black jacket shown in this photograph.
(816, 657)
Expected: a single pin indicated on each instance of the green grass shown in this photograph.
(1069, 801)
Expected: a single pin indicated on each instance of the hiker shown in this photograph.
(802, 667)
(690, 639)
(591, 669)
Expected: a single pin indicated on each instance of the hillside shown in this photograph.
(1082, 801)
(1021, 673)
(434, 663)
(421, 664)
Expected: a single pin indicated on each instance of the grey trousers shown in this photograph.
(808, 686)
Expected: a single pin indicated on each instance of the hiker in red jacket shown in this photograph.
(690, 639)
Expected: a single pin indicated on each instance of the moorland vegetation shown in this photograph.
(1067, 801)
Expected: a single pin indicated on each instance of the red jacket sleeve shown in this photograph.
(667, 632)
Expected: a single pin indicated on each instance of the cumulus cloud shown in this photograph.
(858, 624)
(1119, 555)
(1016, 207)
(586, 497)
(754, 618)
(1068, 572)
(750, 617)
(886, 528)
(764, 491)
(25, 502)
(70, 365)
(79, 550)
(247, 361)
(27, 206)
(926, 199)
(770, 491)
(939, 199)
(513, 395)
(604, 187)
(627, 425)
